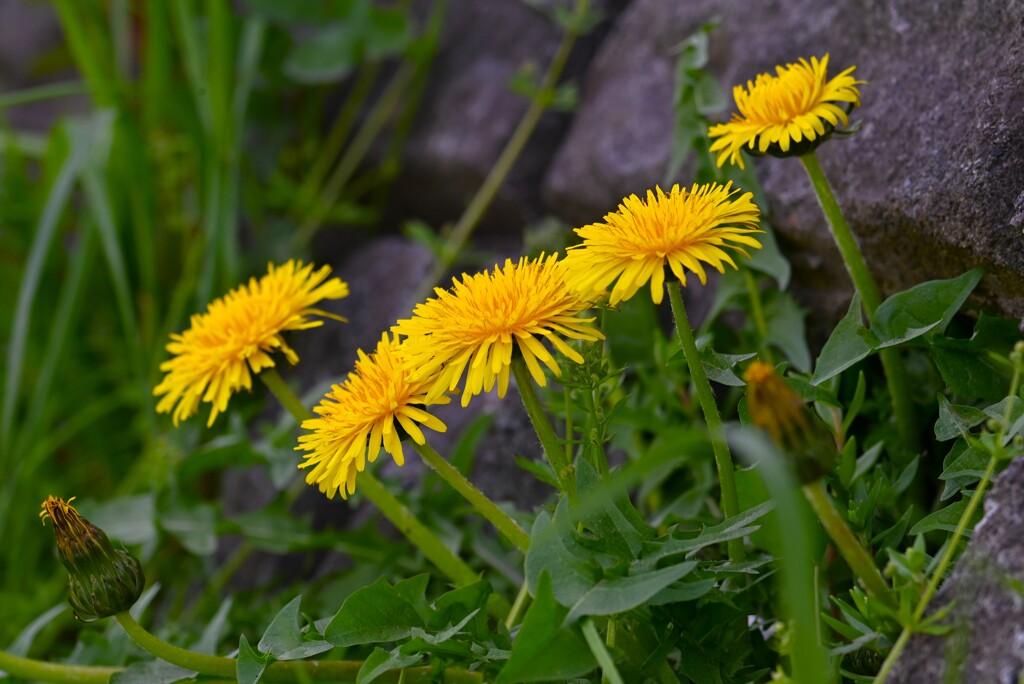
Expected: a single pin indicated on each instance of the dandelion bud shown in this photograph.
(779, 411)
(102, 580)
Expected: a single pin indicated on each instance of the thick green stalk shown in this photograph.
(849, 546)
(478, 205)
(723, 458)
(477, 499)
(548, 439)
(322, 670)
(895, 374)
(394, 510)
(41, 671)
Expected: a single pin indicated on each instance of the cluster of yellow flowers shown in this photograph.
(469, 333)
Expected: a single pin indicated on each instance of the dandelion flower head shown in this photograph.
(681, 229)
(358, 418)
(778, 410)
(774, 406)
(474, 328)
(786, 114)
(237, 335)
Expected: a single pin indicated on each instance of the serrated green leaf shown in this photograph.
(1011, 409)
(284, 641)
(373, 614)
(719, 367)
(849, 343)
(924, 308)
(969, 375)
(619, 594)
(380, 662)
(250, 664)
(945, 519)
(554, 551)
(962, 467)
(544, 650)
(811, 393)
(955, 420)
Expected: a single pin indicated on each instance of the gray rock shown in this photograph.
(931, 185)
(468, 113)
(986, 645)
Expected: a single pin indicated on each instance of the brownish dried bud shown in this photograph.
(779, 411)
(102, 580)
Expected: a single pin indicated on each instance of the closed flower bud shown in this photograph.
(779, 411)
(102, 580)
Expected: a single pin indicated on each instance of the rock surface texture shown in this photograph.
(988, 609)
(933, 184)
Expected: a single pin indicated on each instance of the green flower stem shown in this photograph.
(284, 394)
(548, 439)
(42, 671)
(322, 670)
(477, 499)
(849, 546)
(895, 375)
(723, 458)
(961, 527)
(609, 673)
(488, 190)
(394, 510)
(522, 598)
(190, 660)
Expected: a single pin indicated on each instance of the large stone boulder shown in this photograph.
(934, 183)
(468, 112)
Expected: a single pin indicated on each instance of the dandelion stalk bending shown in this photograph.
(789, 115)
(779, 411)
(675, 232)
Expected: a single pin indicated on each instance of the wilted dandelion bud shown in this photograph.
(102, 580)
(779, 411)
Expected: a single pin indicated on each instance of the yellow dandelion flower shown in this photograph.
(358, 417)
(788, 114)
(680, 229)
(475, 327)
(236, 336)
(778, 410)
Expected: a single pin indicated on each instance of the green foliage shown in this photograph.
(124, 221)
